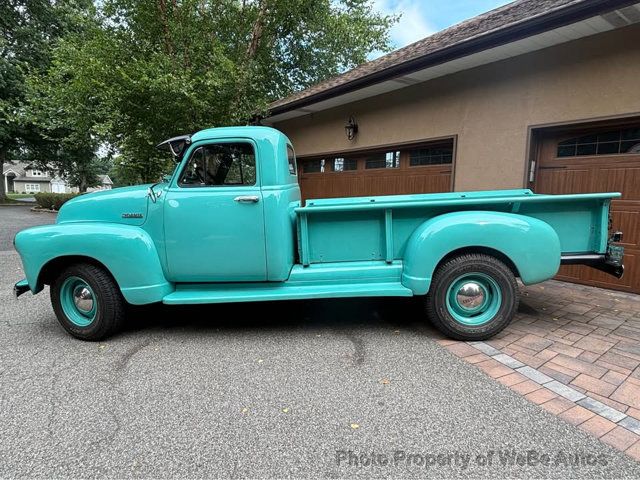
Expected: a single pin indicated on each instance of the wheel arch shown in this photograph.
(483, 250)
(56, 265)
(126, 252)
(529, 246)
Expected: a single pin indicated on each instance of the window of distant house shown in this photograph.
(614, 142)
(32, 187)
(383, 160)
(436, 155)
(344, 164)
(313, 166)
(36, 173)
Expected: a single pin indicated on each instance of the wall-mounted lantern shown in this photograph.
(351, 128)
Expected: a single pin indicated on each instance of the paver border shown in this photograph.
(526, 373)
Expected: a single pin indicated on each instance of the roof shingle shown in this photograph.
(494, 20)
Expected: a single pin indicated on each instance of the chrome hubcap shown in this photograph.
(83, 298)
(470, 296)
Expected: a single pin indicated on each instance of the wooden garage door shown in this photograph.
(425, 168)
(606, 159)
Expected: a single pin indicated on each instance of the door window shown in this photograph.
(223, 164)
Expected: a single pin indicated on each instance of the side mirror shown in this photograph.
(176, 145)
(166, 178)
(151, 194)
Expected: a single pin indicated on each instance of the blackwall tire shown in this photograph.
(88, 302)
(472, 297)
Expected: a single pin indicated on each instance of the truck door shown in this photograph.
(214, 221)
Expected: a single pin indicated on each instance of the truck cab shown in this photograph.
(229, 226)
(228, 212)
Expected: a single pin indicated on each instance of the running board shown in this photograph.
(259, 292)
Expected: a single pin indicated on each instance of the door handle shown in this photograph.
(247, 199)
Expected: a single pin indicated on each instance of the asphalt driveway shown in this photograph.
(307, 389)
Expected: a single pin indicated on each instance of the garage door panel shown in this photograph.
(623, 180)
(429, 183)
(375, 182)
(597, 173)
(627, 221)
(341, 185)
(572, 272)
(421, 167)
(559, 180)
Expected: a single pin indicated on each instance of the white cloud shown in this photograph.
(413, 24)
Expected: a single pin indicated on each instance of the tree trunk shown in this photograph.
(256, 31)
(164, 19)
(3, 194)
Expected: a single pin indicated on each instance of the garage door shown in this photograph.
(603, 159)
(423, 168)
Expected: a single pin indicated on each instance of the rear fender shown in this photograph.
(127, 251)
(532, 245)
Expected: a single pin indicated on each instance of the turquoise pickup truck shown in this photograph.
(228, 226)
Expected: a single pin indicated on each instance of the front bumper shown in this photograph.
(21, 287)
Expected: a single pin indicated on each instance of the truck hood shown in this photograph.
(126, 205)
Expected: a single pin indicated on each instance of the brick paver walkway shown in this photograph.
(575, 351)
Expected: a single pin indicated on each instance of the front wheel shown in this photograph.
(472, 297)
(87, 302)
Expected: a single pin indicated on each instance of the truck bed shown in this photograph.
(378, 228)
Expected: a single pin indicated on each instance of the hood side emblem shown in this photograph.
(132, 215)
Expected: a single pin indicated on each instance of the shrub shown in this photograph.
(53, 201)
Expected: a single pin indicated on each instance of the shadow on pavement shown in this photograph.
(352, 313)
(330, 314)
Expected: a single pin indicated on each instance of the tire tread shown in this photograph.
(467, 333)
(111, 302)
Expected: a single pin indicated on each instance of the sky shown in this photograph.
(421, 18)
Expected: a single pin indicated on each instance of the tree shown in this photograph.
(150, 69)
(29, 30)
(84, 174)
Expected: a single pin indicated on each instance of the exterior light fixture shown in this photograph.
(351, 128)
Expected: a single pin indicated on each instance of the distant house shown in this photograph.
(105, 184)
(26, 178)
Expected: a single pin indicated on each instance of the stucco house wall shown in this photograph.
(490, 108)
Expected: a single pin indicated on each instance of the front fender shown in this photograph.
(127, 251)
(531, 244)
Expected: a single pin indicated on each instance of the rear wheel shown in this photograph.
(472, 297)
(87, 302)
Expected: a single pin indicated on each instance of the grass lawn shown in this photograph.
(19, 195)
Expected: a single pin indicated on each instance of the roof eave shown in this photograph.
(554, 19)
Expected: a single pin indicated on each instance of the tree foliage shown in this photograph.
(141, 71)
(29, 32)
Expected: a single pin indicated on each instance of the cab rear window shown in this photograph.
(292, 160)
